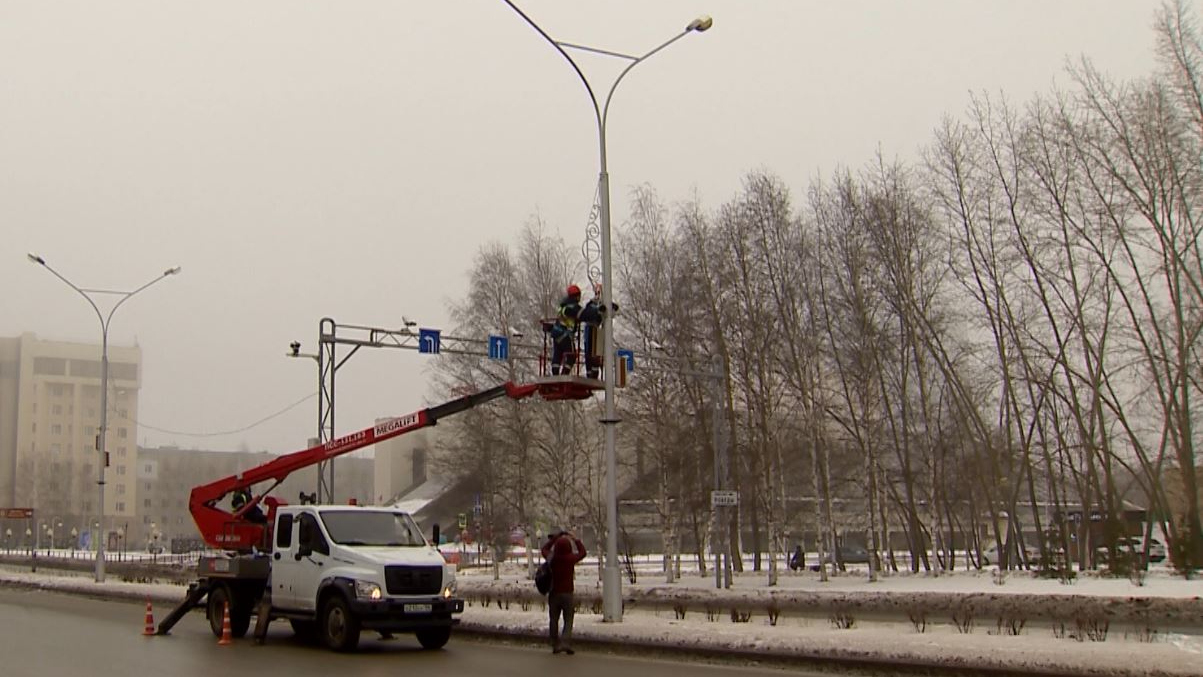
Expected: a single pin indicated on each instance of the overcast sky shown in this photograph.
(347, 159)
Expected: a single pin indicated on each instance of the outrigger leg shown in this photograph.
(196, 592)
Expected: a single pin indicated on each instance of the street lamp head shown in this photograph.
(36, 259)
(700, 24)
(171, 271)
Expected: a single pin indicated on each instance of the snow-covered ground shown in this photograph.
(1126, 651)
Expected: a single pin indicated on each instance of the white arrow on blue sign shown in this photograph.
(499, 348)
(428, 341)
(629, 356)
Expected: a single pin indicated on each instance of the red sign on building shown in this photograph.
(16, 513)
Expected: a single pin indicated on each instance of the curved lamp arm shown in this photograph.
(104, 320)
(42, 262)
(581, 75)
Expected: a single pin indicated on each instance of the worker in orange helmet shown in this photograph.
(563, 332)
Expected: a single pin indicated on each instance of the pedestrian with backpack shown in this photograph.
(562, 551)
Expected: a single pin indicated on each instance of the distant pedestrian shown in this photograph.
(562, 550)
(798, 560)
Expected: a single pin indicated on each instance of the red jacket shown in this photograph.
(563, 553)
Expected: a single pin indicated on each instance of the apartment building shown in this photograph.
(49, 424)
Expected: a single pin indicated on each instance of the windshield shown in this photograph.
(361, 527)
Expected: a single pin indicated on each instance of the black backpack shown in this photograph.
(543, 578)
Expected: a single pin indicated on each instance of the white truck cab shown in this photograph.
(340, 569)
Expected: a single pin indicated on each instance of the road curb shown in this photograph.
(781, 657)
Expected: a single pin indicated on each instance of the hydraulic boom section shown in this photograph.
(246, 528)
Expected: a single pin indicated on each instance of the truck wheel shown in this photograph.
(306, 631)
(240, 615)
(218, 597)
(240, 620)
(339, 626)
(433, 638)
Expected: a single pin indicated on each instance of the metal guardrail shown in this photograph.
(919, 608)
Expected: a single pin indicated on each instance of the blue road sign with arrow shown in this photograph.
(428, 341)
(499, 348)
(629, 356)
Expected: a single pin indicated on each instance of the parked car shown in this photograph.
(1157, 552)
(991, 556)
(1133, 546)
(849, 554)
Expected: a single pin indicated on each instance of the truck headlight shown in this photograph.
(449, 589)
(368, 590)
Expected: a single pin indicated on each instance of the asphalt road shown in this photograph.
(44, 634)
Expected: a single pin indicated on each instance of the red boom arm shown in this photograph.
(233, 531)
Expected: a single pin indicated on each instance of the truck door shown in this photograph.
(308, 562)
(283, 564)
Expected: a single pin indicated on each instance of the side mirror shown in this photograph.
(304, 550)
(434, 535)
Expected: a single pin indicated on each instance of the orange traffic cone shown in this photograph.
(150, 620)
(225, 626)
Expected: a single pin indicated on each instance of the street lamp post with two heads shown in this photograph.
(104, 381)
(611, 581)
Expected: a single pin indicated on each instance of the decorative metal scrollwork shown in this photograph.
(591, 248)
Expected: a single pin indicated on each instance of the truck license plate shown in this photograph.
(417, 608)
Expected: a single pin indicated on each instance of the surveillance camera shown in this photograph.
(296, 348)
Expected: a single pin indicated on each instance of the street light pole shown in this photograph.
(611, 579)
(104, 382)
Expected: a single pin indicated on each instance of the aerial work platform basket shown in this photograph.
(567, 382)
(570, 387)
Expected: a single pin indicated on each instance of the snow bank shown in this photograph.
(1036, 649)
